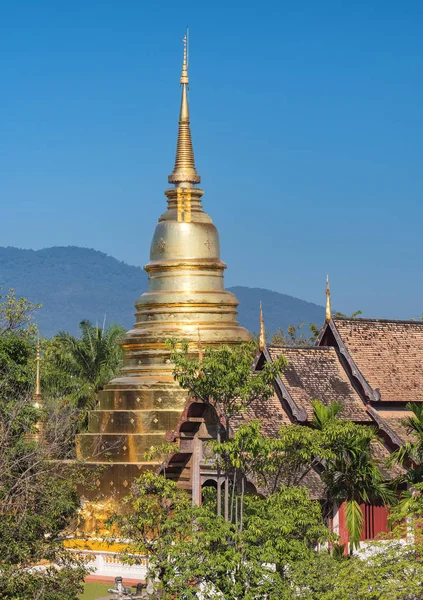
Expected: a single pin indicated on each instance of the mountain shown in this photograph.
(79, 283)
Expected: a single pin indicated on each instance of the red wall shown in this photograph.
(375, 522)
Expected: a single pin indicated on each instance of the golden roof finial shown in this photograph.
(262, 339)
(184, 171)
(37, 394)
(184, 76)
(328, 304)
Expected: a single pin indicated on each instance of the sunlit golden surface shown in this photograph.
(185, 296)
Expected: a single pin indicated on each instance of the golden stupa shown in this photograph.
(185, 297)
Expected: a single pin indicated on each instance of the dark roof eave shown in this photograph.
(373, 395)
(395, 439)
(300, 414)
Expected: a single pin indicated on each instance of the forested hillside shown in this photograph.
(77, 283)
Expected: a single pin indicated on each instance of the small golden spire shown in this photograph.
(37, 394)
(184, 76)
(262, 339)
(184, 171)
(328, 305)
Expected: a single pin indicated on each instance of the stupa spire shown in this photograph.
(328, 304)
(38, 380)
(186, 299)
(37, 398)
(184, 172)
(262, 339)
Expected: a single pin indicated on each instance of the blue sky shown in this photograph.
(307, 127)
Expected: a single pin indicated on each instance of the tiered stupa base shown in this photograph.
(128, 422)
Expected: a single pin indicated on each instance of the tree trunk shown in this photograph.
(219, 489)
(233, 494)
(242, 501)
(226, 476)
(226, 497)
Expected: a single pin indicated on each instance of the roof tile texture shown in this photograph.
(394, 419)
(270, 413)
(389, 355)
(317, 374)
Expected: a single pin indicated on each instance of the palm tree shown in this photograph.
(352, 476)
(323, 414)
(412, 452)
(91, 360)
(411, 455)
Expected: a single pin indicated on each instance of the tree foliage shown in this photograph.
(341, 451)
(17, 364)
(388, 572)
(351, 474)
(75, 369)
(295, 336)
(16, 315)
(223, 376)
(272, 461)
(280, 553)
(411, 456)
(37, 501)
(190, 547)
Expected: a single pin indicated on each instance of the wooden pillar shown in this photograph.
(196, 477)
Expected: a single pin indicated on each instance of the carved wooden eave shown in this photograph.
(322, 333)
(367, 393)
(298, 414)
(370, 394)
(185, 437)
(384, 427)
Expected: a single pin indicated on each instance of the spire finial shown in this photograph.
(184, 76)
(37, 394)
(184, 171)
(328, 304)
(262, 339)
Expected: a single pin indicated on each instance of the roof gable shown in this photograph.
(316, 374)
(388, 354)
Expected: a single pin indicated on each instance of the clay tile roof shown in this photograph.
(317, 374)
(270, 413)
(380, 453)
(394, 420)
(315, 485)
(389, 355)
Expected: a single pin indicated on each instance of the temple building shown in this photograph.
(185, 298)
(372, 367)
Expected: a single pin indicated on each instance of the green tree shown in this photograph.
(351, 475)
(16, 315)
(271, 462)
(38, 501)
(354, 315)
(411, 453)
(78, 367)
(411, 456)
(190, 547)
(17, 364)
(388, 572)
(294, 336)
(224, 378)
(17, 344)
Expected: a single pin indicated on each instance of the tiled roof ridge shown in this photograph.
(393, 321)
(288, 347)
